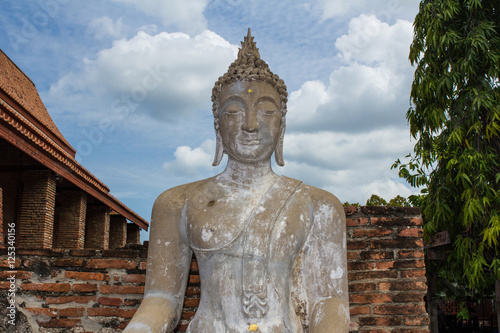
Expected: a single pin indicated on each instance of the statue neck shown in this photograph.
(248, 173)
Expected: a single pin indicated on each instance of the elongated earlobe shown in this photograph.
(278, 150)
(219, 149)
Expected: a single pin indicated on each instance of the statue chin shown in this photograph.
(271, 250)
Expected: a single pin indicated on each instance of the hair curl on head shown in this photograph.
(249, 67)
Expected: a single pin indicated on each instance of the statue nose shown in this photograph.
(250, 124)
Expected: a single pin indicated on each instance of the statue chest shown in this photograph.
(219, 225)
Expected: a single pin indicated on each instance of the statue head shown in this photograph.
(248, 68)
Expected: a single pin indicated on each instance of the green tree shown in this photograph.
(455, 120)
(375, 200)
(398, 201)
(355, 204)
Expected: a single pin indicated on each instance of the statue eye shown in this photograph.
(267, 112)
(233, 111)
(232, 108)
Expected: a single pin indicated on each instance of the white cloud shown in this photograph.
(164, 76)
(192, 162)
(370, 91)
(104, 27)
(186, 15)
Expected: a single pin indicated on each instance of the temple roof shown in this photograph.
(22, 91)
(26, 123)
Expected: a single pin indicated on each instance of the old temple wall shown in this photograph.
(64, 290)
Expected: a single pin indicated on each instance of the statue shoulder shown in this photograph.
(175, 198)
(319, 197)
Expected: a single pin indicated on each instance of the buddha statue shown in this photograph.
(271, 250)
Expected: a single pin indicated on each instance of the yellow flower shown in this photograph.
(250, 91)
(253, 328)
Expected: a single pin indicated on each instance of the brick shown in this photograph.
(369, 298)
(191, 302)
(110, 289)
(376, 255)
(193, 291)
(194, 266)
(356, 245)
(407, 297)
(82, 253)
(411, 233)
(108, 312)
(399, 309)
(400, 264)
(121, 253)
(356, 222)
(352, 255)
(69, 262)
(416, 321)
(132, 301)
(413, 273)
(403, 285)
(4, 285)
(72, 312)
(396, 243)
(194, 278)
(143, 265)
(359, 266)
(188, 315)
(87, 276)
(5, 263)
(357, 287)
(386, 210)
(350, 210)
(408, 254)
(379, 321)
(391, 222)
(43, 311)
(380, 232)
(20, 275)
(52, 287)
(358, 310)
(134, 278)
(63, 323)
(110, 301)
(84, 287)
(110, 263)
(69, 299)
(384, 265)
(372, 275)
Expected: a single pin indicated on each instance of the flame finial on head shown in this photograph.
(248, 47)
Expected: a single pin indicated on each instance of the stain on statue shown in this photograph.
(271, 250)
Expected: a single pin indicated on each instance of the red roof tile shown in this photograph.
(22, 90)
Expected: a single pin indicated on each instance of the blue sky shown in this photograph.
(128, 83)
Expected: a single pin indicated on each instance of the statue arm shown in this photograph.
(169, 258)
(325, 268)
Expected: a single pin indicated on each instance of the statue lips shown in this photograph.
(248, 140)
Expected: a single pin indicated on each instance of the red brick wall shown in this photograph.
(69, 226)
(133, 234)
(36, 222)
(387, 280)
(117, 231)
(97, 288)
(2, 243)
(97, 227)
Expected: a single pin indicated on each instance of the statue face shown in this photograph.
(249, 120)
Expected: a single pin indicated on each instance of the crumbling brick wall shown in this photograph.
(74, 290)
(387, 282)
